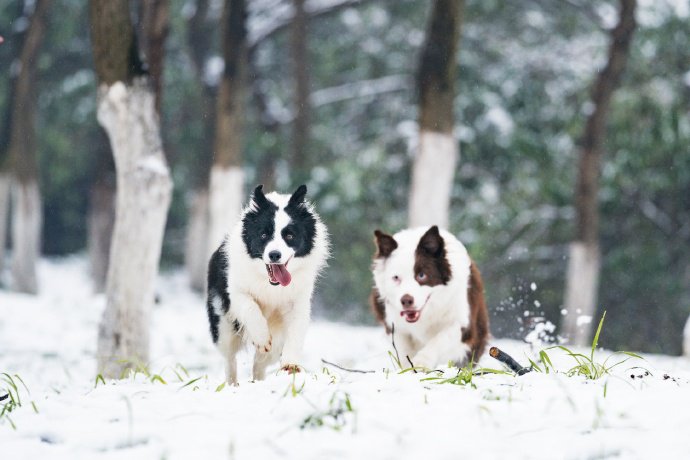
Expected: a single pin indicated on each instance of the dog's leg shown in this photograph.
(296, 323)
(229, 343)
(405, 347)
(263, 360)
(445, 346)
(247, 312)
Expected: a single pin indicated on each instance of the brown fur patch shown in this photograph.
(477, 334)
(431, 266)
(385, 244)
(378, 308)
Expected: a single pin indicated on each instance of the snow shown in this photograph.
(49, 340)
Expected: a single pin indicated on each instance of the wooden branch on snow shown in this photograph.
(357, 371)
(508, 360)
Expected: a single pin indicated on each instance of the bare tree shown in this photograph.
(300, 71)
(11, 58)
(18, 152)
(582, 280)
(196, 241)
(437, 152)
(226, 190)
(127, 111)
(152, 32)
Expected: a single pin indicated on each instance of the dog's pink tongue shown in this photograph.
(282, 275)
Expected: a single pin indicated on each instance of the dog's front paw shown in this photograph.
(291, 368)
(264, 346)
(423, 360)
(259, 335)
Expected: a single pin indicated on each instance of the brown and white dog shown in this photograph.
(428, 288)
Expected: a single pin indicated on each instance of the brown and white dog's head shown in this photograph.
(408, 268)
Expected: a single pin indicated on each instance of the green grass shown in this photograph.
(464, 376)
(11, 389)
(334, 416)
(585, 365)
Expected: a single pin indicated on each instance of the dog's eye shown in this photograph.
(396, 279)
(264, 236)
(421, 276)
(289, 236)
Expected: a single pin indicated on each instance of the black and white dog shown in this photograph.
(261, 279)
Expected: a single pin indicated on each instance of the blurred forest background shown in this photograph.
(524, 75)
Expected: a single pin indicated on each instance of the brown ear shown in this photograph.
(431, 242)
(385, 244)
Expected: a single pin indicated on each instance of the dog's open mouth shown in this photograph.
(278, 274)
(411, 316)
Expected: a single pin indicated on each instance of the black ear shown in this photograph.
(297, 198)
(259, 198)
(385, 244)
(431, 242)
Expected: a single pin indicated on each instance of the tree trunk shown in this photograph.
(127, 111)
(227, 178)
(686, 339)
(300, 60)
(153, 31)
(582, 279)
(5, 182)
(197, 245)
(26, 209)
(437, 150)
(101, 219)
(270, 128)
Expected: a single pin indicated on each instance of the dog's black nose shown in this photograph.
(274, 256)
(407, 301)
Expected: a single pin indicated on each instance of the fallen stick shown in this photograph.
(358, 371)
(508, 360)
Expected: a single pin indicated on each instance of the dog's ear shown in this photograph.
(297, 198)
(432, 242)
(385, 244)
(258, 197)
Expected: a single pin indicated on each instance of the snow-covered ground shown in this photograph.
(49, 341)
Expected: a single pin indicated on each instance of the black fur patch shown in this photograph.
(257, 223)
(218, 289)
(302, 226)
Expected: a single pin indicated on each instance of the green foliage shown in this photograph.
(585, 365)
(335, 416)
(11, 389)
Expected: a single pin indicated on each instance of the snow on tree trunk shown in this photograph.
(196, 243)
(583, 268)
(225, 202)
(581, 289)
(432, 179)
(144, 190)
(5, 183)
(26, 235)
(433, 169)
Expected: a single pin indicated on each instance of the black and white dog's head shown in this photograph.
(279, 230)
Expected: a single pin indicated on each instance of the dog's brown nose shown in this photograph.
(407, 301)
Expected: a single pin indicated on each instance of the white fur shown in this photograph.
(436, 337)
(274, 319)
